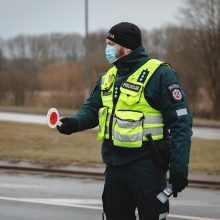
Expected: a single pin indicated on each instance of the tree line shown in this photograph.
(49, 70)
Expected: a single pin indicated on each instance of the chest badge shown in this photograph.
(131, 86)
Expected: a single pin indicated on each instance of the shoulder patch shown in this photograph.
(175, 92)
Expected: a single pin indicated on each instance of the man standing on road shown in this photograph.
(144, 125)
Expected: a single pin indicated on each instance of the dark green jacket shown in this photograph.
(163, 92)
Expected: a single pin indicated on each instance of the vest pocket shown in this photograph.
(103, 114)
(130, 97)
(127, 129)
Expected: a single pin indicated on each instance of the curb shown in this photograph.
(195, 180)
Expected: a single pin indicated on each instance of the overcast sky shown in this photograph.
(67, 16)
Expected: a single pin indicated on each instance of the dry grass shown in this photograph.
(40, 144)
(206, 122)
(205, 155)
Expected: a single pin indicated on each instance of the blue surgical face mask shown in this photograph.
(110, 53)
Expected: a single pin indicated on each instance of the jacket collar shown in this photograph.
(130, 63)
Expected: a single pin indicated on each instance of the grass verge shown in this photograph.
(40, 144)
(205, 156)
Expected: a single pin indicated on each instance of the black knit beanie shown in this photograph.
(125, 34)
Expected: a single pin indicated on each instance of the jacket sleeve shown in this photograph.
(87, 116)
(167, 96)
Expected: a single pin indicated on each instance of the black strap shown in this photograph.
(154, 148)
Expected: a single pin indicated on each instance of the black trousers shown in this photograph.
(134, 186)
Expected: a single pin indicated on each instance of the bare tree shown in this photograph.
(203, 17)
(20, 81)
(1, 59)
(182, 55)
(156, 42)
(66, 46)
(1, 54)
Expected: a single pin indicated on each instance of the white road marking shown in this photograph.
(86, 204)
(22, 117)
(11, 185)
(51, 202)
(191, 217)
(72, 201)
(194, 203)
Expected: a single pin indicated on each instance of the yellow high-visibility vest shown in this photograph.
(131, 118)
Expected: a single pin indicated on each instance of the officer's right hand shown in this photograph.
(178, 184)
(69, 126)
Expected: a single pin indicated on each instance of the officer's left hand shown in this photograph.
(178, 184)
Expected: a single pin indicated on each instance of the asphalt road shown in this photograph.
(42, 197)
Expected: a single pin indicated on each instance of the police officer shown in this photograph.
(144, 125)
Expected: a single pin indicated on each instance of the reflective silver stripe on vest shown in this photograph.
(153, 120)
(100, 113)
(137, 137)
(127, 124)
(153, 131)
(126, 138)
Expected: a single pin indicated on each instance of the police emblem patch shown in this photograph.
(177, 95)
(175, 92)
